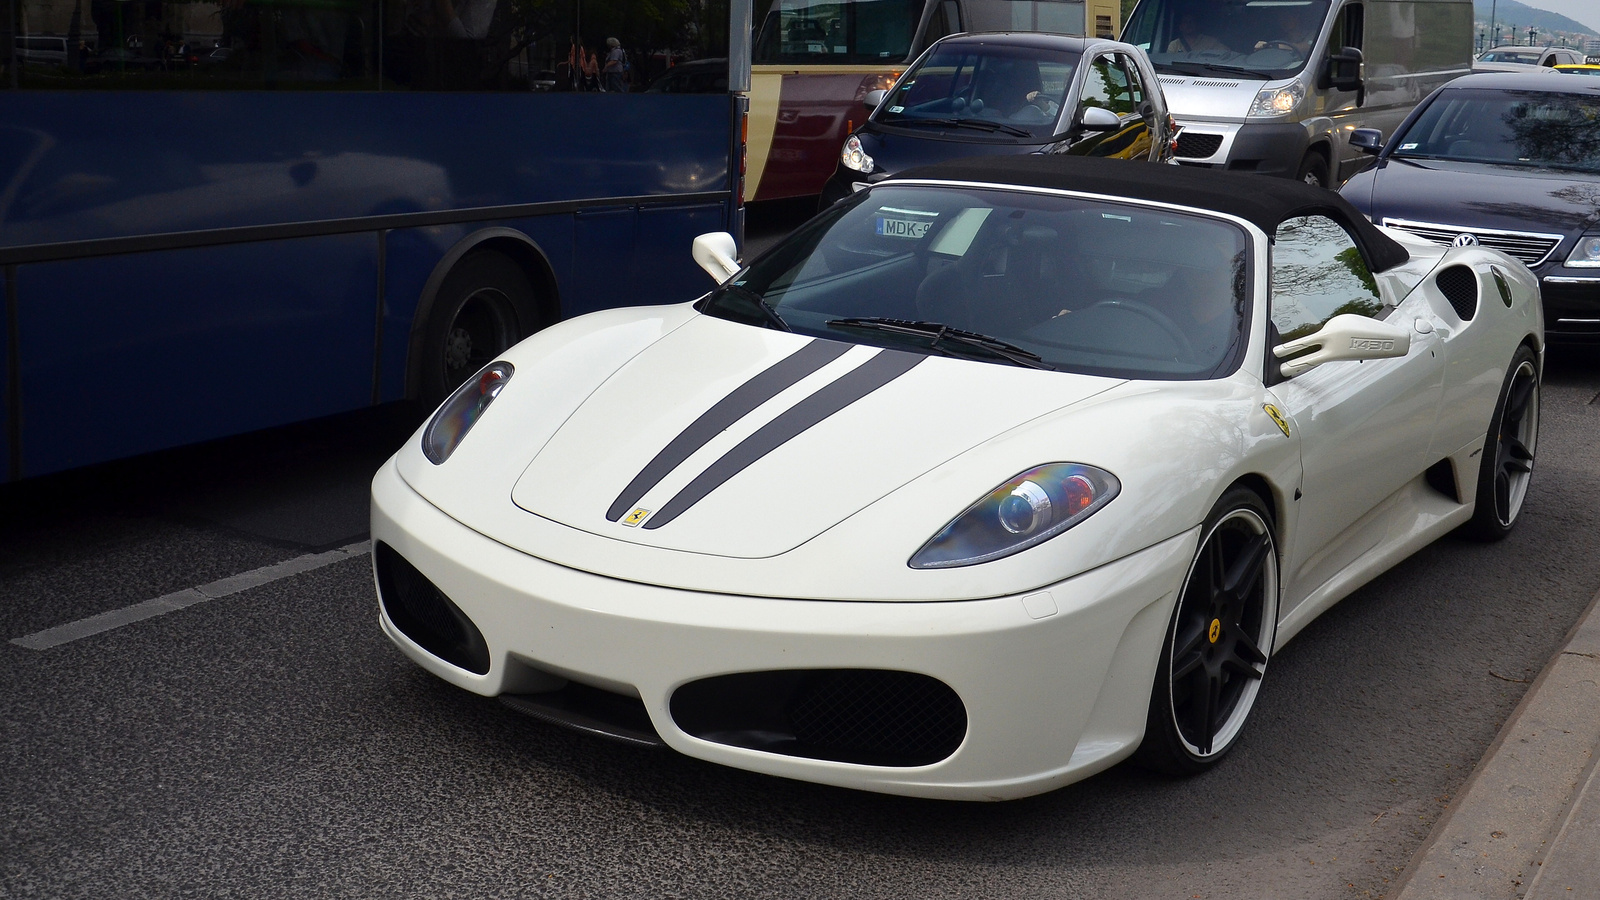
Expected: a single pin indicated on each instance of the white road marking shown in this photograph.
(160, 606)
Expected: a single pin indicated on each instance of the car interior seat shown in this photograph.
(1011, 283)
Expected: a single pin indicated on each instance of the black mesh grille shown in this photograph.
(1198, 146)
(1460, 286)
(873, 713)
(866, 716)
(424, 614)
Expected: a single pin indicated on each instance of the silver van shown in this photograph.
(1276, 86)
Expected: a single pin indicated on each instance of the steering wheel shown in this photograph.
(1156, 317)
(1278, 45)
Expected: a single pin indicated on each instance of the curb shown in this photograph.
(1527, 822)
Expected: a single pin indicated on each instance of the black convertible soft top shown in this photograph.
(1263, 201)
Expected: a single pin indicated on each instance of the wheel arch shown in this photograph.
(1261, 487)
(509, 242)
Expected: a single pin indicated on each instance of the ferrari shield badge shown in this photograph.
(1277, 416)
(635, 517)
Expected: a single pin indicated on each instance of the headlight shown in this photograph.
(1278, 101)
(1586, 255)
(853, 156)
(1032, 507)
(459, 413)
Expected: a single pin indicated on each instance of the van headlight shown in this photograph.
(1279, 101)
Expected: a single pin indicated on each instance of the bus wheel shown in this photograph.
(1313, 170)
(484, 306)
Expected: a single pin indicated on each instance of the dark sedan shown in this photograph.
(1508, 161)
(1008, 94)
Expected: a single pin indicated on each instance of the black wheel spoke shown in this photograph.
(1502, 493)
(1246, 650)
(1246, 568)
(1209, 710)
(1518, 456)
(1517, 401)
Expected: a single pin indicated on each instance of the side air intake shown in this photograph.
(1460, 286)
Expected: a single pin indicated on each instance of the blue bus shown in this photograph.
(217, 217)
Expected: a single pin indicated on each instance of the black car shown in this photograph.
(1508, 161)
(1006, 94)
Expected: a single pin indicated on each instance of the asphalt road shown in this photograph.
(272, 743)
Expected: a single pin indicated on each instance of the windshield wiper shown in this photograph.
(990, 346)
(771, 315)
(980, 124)
(1204, 67)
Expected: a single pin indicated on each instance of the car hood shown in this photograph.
(898, 149)
(1511, 198)
(1202, 99)
(729, 440)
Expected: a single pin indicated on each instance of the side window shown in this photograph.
(1318, 273)
(1347, 28)
(1106, 85)
(1136, 92)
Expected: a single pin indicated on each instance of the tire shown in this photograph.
(1313, 170)
(484, 305)
(1508, 452)
(1218, 642)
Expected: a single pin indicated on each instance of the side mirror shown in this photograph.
(874, 98)
(1343, 73)
(1097, 118)
(1367, 140)
(1343, 337)
(718, 254)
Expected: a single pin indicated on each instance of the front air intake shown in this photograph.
(865, 716)
(1192, 145)
(425, 615)
(1460, 286)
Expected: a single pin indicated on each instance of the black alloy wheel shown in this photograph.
(1508, 452)
(483, 307)
(1218, 643)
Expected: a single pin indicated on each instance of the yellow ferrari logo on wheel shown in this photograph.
(635, 517)
(1215, 633)
(1283, 424)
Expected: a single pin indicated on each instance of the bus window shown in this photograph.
(1060, 16)
(359, 45)
(835, 31)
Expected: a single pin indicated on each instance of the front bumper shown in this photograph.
(1260, 147)
(1571, 305)
(1055, 687)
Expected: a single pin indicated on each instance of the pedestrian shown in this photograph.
(616, 70)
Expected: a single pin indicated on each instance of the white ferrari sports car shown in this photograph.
(990, 476)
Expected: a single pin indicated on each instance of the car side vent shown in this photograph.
(1460, 286)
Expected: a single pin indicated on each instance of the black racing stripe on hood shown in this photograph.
(730, 409)
(859, 382)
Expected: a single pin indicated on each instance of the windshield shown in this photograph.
(838, 31)
(1049, 281)
(1521, 128)
(1531, 57)
(1266, 39)
(980, 86)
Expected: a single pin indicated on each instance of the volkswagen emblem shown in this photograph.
(1465, 239)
